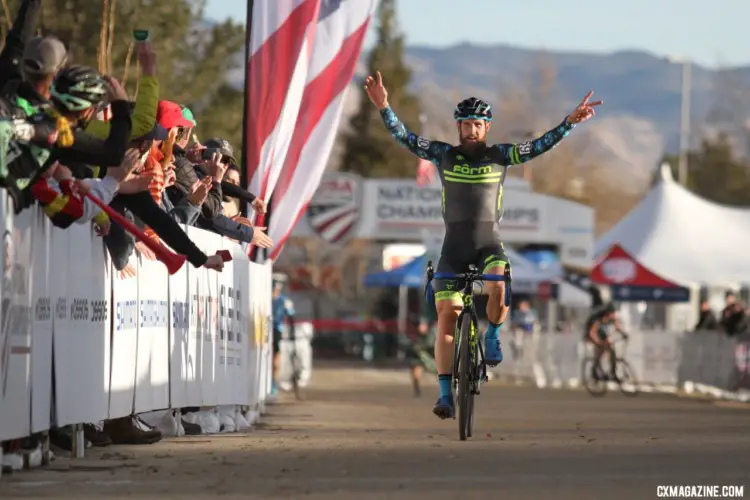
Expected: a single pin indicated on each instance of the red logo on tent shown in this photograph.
(618, 267)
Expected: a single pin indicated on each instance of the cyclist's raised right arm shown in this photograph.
(432, 151)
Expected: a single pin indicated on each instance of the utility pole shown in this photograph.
(682, 169)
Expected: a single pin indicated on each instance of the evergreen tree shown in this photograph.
(369, 149)
(193, 57)
(716, 173)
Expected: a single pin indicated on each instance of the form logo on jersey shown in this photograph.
(334, 210)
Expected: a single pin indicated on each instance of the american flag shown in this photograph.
(306, 55)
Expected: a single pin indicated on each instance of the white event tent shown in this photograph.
(684, 238)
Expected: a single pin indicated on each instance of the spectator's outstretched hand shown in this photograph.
(146, 58)
(260, 238)
(259, 205)
(214, 262)
(116, 90)
(82, 186)
(145, 251)
(136, 184)
(169, 177)
(216, 167)
(201, 192)
(194, 151)
(128, 272)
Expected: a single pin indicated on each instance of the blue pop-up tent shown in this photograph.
(410, 275)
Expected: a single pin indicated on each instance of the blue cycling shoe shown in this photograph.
(493, 351)
(444, 407)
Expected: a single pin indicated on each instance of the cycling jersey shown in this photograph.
(604, 325)
(473, 185)
(472, 195)
(283, 309)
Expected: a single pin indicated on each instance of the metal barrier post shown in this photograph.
(79, 443)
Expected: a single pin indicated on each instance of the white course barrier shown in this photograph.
(704, 362)
(80, 343)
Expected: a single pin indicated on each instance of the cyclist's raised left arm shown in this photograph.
(432, 151)
(515, 154)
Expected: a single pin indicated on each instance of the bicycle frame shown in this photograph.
(467, 296)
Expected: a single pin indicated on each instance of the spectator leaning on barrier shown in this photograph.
(733, 318)
(231, 205)
(62, 197)
(222, 224)
(707, 319)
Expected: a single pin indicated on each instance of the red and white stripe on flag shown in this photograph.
(281, 39)
(339, 38)
(425, 172)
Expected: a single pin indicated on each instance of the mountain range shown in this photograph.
(639, 122)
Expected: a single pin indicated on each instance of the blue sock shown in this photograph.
(446, 382)
(493, 331)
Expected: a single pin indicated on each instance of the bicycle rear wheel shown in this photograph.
(465, 368)
(594, 387)
(626, 378)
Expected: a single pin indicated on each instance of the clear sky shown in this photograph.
(710, 32)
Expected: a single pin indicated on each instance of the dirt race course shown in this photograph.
(362, 435)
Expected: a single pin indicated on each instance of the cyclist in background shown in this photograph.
(598, 327)
(472, 175)
(283, 315)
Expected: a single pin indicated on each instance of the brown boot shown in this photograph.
(97, 437)
(126, 431)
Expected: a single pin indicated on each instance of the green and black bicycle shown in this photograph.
(469, 368)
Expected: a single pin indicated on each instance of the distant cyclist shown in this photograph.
(598, 327)
(283, 317)
(472, 175)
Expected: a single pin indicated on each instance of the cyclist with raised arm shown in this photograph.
(472, 175)
(598, 327)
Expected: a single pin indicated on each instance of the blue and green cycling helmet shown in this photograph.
(473, 109)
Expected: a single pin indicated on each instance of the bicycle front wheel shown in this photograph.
(626, 378)
(465, 403)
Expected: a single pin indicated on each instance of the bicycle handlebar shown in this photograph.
(471, 277)
(474, 277)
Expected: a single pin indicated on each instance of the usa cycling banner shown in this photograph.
(631, 281)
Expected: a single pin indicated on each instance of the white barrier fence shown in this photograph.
(79, 343)
(705, 362)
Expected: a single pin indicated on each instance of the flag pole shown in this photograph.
(244, 181)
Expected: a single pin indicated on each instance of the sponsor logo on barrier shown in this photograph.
(126, 314)
(61, 308)
(43, 309)
(79, 310)
(180, 315)
(333, 212)
(98, 310)
(154, 313)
